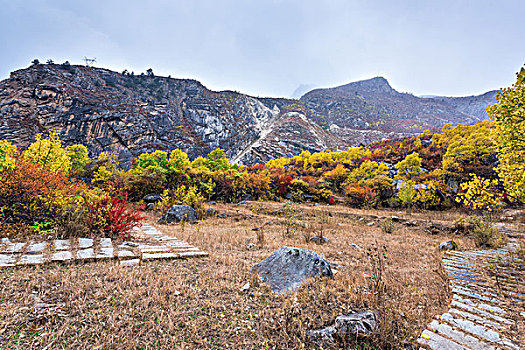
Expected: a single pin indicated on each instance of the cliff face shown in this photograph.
(130, 115)
(109, 111)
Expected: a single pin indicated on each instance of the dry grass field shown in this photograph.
(101, 305)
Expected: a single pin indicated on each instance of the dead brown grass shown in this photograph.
(101, 305)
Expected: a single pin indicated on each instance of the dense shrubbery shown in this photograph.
(37, 195)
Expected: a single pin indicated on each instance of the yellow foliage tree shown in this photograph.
(409, 167)
(480, 193)
(367, 170)
(509, 115)
(8, 154)
(49, 153)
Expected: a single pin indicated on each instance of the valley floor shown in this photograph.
(200, 303)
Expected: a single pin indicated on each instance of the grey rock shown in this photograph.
(319, 239)
(151, 198)
(355, 246)
(178, 213)
(360, 324)
(221, 215)
(286, 269)
(150, 206)
(448, 245)
(211, 212)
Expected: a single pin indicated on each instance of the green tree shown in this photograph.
(217, 160)
(78, 157)
(156, 162)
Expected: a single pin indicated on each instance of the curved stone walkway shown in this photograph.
(487, 310)
(147, 244)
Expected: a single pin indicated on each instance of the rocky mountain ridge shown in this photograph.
(373, 105)
(131, 114)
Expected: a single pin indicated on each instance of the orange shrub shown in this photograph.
(32, 193)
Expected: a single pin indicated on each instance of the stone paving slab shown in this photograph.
(62, 244)
(160, 247)
(477, 317)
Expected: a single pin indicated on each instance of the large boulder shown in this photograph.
(178, 213)
(359, 324)
(286, 269)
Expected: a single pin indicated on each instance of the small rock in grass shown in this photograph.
(448, 245)
(178, 213)
(151, 198)
(360, 324)
(221, 216)
(395, 218)
(355, 246)
(211, 212)
(246, 287)
(319, 239)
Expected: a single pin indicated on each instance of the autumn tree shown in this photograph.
(409, 167)
(480, 194)
(78, 157)
(407, 194)
(509, 115)
(49, 153)
(8, 154)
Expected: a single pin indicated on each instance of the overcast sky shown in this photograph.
(268, 48)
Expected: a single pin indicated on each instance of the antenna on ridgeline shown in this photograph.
(90, 61)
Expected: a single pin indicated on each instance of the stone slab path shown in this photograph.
(148, 244)
(487, 309)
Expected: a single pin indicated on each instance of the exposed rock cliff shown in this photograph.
(131, 114)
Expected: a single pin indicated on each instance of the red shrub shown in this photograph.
(114, 215)
(283, 181)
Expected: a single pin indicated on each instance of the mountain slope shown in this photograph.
(109, 111)
(130, 115)
(374, 105)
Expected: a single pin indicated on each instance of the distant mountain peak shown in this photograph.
(376, 85)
